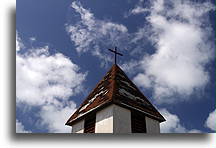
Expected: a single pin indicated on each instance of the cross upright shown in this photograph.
(116, 53)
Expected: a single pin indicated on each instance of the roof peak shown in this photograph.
(115, 88)
(115, 65)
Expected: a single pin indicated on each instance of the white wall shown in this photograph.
(152, 126)
(78, 127)
(115, 119)
(122, 120)
(104, 120)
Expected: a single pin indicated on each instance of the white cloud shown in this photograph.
(55, 117)
(94, 35)
(20, 128)
(47, 81)
(178, 30)
(138, 9)
(211, 121)
(43, 78)
(173, 124)
(143, 80)
(182, 49)
(128, 66)
(158, 5)
(32, 39)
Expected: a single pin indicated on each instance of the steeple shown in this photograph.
(115, 89)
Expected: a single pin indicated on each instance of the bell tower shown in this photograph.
(115, 106)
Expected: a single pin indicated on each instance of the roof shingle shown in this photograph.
(115, 88)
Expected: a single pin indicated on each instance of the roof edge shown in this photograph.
(97, 108)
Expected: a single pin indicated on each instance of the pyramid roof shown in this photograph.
(115, 88)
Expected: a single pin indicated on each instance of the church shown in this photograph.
(116, 106)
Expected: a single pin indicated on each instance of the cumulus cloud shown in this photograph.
(47, 81)
(94, 35)
(20, 128)
(42, 78)
(180, 33)
(54, 116)
(211, 121)
(173, 124)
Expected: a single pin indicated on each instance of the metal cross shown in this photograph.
(116, 53)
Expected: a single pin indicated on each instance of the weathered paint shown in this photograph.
(104, 92)
(115, 87)
(78, 127)
(152, 126)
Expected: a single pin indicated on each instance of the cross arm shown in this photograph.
(115, 52)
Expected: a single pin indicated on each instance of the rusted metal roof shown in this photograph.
(115, 88)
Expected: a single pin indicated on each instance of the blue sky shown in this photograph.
(62, 53)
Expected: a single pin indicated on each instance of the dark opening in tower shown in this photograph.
(89, 125)
(138, 122)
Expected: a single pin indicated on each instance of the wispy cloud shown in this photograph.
(180, 38)
(173, 124)
(138, 9)
(47, 80)
(94, 35)
(178, 31)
